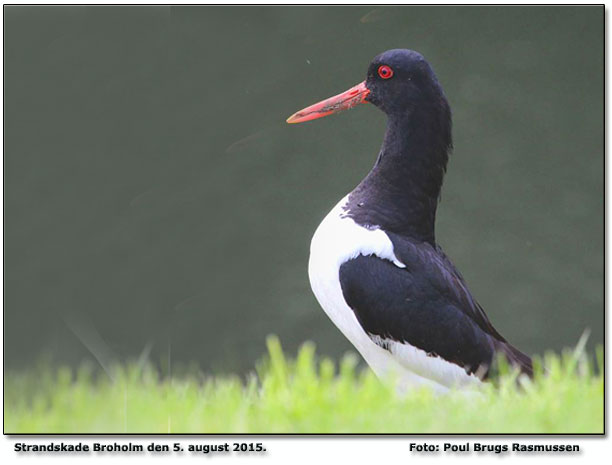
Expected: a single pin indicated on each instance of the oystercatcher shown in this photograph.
(375, 266)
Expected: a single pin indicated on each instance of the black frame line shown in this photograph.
(337, 435)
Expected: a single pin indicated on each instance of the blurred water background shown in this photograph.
(157, 205)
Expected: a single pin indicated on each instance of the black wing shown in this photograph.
(426, 304)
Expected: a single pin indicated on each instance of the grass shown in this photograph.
(304, 395)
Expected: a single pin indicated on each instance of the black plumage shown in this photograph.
(426, 304)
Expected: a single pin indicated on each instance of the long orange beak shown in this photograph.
(348, 99)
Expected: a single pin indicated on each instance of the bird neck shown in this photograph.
(404, 185)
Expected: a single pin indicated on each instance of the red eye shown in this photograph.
(385, 72)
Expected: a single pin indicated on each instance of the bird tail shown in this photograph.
(516, 358)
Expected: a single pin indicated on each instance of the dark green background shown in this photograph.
(156, 200)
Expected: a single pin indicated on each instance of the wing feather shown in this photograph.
(426, 304)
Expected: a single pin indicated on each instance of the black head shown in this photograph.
(401, 79)
(398, 81)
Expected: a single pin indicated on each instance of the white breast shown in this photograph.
(337, 240)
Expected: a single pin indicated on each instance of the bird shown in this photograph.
(375, 266)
